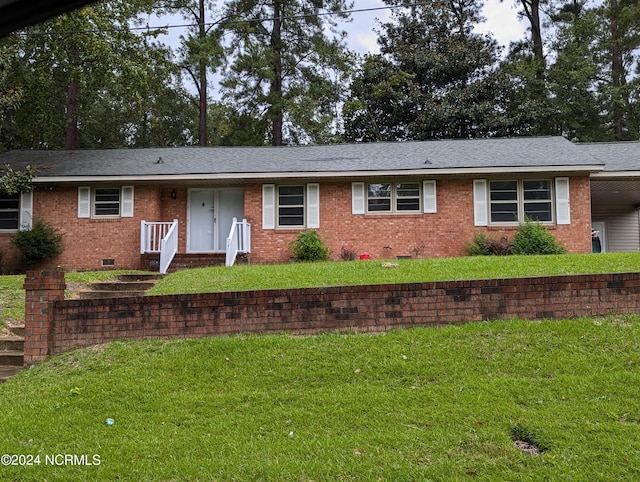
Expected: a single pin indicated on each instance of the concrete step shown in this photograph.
(14, 343)
(17, 330)
(140, 277)
(7, 372)
(101, 294)
(11, 358)
(122, 285)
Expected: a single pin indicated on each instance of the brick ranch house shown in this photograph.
(388, 200)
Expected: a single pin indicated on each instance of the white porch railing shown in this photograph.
(160, 238)
(239, 240)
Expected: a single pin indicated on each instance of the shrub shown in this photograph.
(38, 244)
(534, 238)
(482, 245)
(348, 254)
(309, 247)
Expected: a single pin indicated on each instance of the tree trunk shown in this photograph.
(617, 72)
(532, 12)
(202, 74)
(276, 83)
(71, 116)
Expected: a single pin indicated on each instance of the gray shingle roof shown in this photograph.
(428, 156)
(617, 156)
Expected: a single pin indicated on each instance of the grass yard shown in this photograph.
(441, 404)
(250, 277)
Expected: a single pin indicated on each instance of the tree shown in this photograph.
(435, 78)
(201, 51)
(287, 64)
(86, 79)
(9, 95)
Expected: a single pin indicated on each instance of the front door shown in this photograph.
(211, 212)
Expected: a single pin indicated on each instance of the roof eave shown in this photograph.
(582, 169)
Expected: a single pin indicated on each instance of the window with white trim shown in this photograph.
(386, 197)
(105, 202)
(291, 206)
(512, 201)
(15, 211)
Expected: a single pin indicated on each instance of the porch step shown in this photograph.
(11, 343)
(7, 372)
(126, 285)
(11, 358)
(185, 261)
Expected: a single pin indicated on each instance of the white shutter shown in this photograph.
(429, 197)
(268, 206)
(126, 210)
(84, 202)
(26, 210)
(313, 205)
(480, 213)
(563, 208)
(357, 198)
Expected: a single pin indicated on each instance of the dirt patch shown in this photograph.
(527, 447)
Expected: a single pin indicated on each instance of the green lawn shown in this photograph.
(249, 277)
(438, 404)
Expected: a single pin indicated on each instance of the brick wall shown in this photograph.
(443, 234)
(54, 325)
(386, 236)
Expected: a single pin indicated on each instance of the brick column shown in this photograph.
(42, 289)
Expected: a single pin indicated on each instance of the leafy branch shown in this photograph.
(14, 182)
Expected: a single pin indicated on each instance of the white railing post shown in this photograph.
(238, 241)
(143, 237)
(168, 246)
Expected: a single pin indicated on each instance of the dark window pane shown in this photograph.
(504, 212)
(537, 190)
(504, 190)
(291, 216)
(107, 209)
(291, 195)
(9, 220)
(538, 211)
(408, 204)
(379, 205)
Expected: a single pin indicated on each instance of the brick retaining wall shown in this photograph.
(54, 325)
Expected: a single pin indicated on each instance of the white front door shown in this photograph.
(211, 212)
(202, 221)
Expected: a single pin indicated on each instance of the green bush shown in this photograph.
(38, 244)
(309, 247)
(534, 238)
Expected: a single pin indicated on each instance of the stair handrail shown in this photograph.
(238, 241)
(168, 247)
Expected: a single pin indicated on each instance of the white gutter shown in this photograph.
(320, 175)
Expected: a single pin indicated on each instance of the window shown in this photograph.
(513, 201)
(103, 202)
(9, 212)
(15, 211)
(393, 197)
(291, 206)
(106, 202)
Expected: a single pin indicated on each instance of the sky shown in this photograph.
(502, 22)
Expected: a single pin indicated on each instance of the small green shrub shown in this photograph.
(482, 245)
(38, 244)
(309, 247)
(534, 238)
